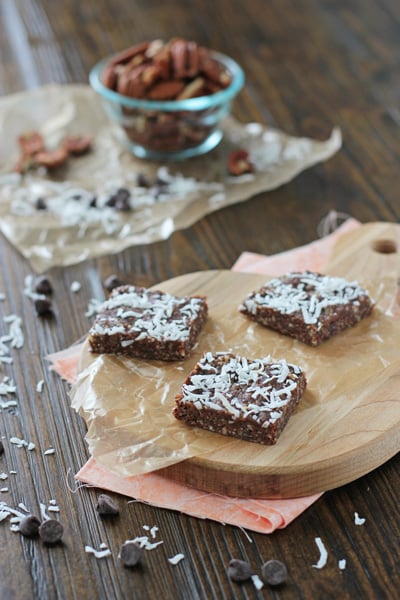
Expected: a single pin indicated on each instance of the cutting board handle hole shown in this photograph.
(385, 246)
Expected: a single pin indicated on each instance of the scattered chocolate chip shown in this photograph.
(123, 193)
(106, 506)
(93, 202)
(40, 204)
(43, 286)
(29, 526)
(112, 281)
(130, 554)
(122, 204)
(43, 307)
(111, 200)
(51, 531)
(1, 448)
(143, 181)
(239, 570)
(274, 572)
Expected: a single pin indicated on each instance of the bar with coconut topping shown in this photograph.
(250, 399)
(308, 306)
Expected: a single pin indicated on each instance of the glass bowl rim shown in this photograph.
(190, 104)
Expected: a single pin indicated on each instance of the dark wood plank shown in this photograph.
(310, 65)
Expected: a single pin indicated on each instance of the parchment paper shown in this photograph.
(65, 235)
(127, 403)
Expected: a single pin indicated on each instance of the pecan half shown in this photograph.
(239, 162)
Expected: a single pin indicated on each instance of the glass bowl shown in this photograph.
(169, 129)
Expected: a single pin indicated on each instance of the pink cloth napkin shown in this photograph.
(263, 516)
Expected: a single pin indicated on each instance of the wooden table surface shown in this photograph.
(310, 65)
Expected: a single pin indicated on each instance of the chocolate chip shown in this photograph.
(43, 307)
(143, 181)
(29, 526)
(106, 506)
(111, 282)
(111, 200)
(93, 202)
(43, 285)
(123, 193)
(130, 554)
(1, 448)
(274, 572)
(239, 570)
(122, 204)
(40, 204)
(51, 531)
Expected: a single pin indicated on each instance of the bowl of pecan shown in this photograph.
(168, 99)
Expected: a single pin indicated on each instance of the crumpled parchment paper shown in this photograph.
(69, 232)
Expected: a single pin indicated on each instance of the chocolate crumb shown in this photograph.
(239, 570)
(274, 572)
(51, 531)
(43, 286)
(112, 281)
(130, 554)
(106, 506)
(43, 307)
(40, 204)
(143, 181)
(1, 448)
(29, 526)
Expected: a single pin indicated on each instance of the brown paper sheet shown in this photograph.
(64, 235)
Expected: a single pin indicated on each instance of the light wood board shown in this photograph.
(332, 439)
(348, 421)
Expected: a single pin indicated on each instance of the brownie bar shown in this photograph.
(308, 306)
(247, 399)
(142, 323)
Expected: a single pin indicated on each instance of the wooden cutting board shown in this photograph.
(348, 422)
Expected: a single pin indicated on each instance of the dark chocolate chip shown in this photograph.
(40, 204)
(43, 307)
(111, 200)
(43, 285)
(143, 181)
(93, 202)
(122, 204)
(274, 572)
(111, 282)
(106, 506)
(123, 193)
(51, 531)
(1, 448)
(29, 526)
(239, 570)
(130, 554)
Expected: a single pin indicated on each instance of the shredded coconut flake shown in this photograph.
(358, 520)
(75, 287)
(49, 451)
(98, 553)
(323, 554)
(342, 564)
(174, 560)
(258, 584)
(39, 386)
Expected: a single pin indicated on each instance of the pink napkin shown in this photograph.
(263, 516)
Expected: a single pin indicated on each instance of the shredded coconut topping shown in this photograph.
(146, 313)
(307, 293)
(245, 388)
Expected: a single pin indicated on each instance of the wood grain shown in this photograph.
(310, 65)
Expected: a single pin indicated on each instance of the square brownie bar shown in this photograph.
(308, 306)
(143, 323)
(247, 399)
